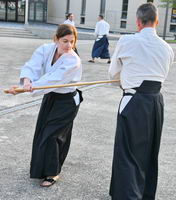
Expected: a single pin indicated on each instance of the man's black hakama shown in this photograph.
(100, 48)
(53, 134)
(137, 142)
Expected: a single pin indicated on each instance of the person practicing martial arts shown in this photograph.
(53, 64)
(101, 45)
(70, 19)
(141, 61)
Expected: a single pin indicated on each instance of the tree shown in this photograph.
(166, 4)
(171, 3)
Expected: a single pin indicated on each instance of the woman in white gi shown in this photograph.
(70, 19)
(51, 64)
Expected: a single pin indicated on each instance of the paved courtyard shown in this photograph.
(87, 169)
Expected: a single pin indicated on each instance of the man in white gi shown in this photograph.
(70, 19)
(142, 62)
(100, 47)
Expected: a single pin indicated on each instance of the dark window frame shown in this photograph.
(123, 24)
(67, 8)
(102, 7)
(44, 10)
(124, 13)
(83, 12)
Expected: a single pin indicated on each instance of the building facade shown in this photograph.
(121, 14)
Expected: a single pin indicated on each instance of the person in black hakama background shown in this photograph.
(59, 107)
(101, 46)
(142, 62)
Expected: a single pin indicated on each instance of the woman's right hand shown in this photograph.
(12, 90)
(27, 85)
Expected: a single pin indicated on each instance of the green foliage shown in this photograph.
(172, 3)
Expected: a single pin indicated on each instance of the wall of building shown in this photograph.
(113, 11)
(113, 14)
(92, 12)
(75, 8)
(162, 13)
(56, 11)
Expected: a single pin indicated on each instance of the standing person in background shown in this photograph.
(70, 19)
(142, 62)
(53, 64)
(100, 47)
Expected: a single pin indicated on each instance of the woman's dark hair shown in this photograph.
(69, 14)
(66, 29)
(147, 13)
(101, 16)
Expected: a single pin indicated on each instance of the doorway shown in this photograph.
(37, 10)
(12, 10)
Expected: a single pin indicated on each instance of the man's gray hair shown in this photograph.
(147, 13)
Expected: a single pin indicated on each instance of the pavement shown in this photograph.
(87, 170)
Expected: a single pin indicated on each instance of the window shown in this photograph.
(68, 7)
(123, 24)
(150, 1)
(124, 15)
(83, 8)
(172, 28)
(82, 20)
(124, 9)
(12, 10)
(83, 12)
(102, 7)
(173, 15)
(38, 10)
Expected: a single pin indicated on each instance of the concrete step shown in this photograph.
(17, 32)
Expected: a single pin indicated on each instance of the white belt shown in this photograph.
(132, 91)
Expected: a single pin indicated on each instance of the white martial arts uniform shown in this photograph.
(58, 109)
(145, 63)
(141, 61)
(41, 72)
(69, 22)
(102, 28)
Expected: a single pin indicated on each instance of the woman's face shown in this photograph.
(66, 43)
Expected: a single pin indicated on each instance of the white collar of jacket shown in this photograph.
(148, 30)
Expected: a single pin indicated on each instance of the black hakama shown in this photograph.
(100, 48)
(137, 142)
(53, 134)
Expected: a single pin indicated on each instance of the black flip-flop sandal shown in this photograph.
(49, 180)
(92, 61)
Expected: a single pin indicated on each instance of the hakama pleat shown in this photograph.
(100, 48)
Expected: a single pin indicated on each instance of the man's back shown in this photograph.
(102, 28)
(142, 60)
(145, 56)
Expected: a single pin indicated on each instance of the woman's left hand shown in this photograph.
(27, 85)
